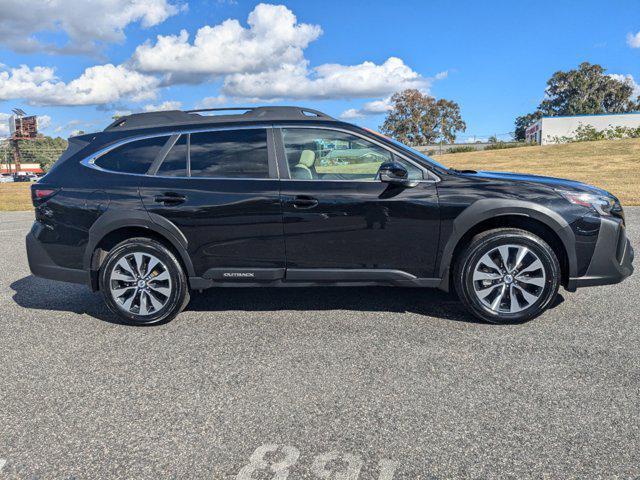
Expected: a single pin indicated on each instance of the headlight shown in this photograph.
(600, 203)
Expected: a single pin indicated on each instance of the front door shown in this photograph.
(220, 189)
(341, 222)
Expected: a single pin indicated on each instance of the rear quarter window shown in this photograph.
(132, 157)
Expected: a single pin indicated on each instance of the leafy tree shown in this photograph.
(418, 119)
(523, 122)
(43, 150)
(586, 90)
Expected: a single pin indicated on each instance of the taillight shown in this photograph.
(41, 193)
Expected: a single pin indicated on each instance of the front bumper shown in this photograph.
(42, 265)
(612, 259)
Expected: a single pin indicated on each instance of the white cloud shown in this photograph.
(628, 79)
(327, 81)
(86, 24)
(97, 85)
(441, 75)
(377, 107)
(274, 38)
(4, 124)
(263, 61)
(351, 114)
(266, 61)
(67, 126)
(633, 40)
(374, 107)
(44, 121)
(213, 102)
(168, 105)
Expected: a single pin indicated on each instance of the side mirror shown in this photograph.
(396, 174)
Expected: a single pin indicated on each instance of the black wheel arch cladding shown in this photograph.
(489, 208)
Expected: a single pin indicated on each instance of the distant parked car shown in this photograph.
(21, 178)
(6, 178)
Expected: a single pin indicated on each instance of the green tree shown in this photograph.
(523, 122)
(418, 119)
(42, 150)
(585, 90)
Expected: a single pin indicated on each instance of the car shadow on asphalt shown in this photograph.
(40, 294)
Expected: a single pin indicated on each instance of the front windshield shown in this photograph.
(412, 150)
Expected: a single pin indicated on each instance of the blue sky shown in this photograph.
(76, 62)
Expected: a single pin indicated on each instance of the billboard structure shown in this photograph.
(21, 127)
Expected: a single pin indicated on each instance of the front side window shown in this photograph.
(230, 154)
(132, 157)
(319, 154)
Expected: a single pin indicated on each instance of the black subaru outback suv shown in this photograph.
(161, 203)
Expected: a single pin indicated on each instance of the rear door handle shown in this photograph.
(303, 201)
(170, 199)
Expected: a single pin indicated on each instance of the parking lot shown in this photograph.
(369, 383)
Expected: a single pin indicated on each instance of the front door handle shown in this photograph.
(304, 201)
(170, 199)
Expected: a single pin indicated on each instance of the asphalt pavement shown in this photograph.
(333, 383)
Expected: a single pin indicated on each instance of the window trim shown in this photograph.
(278, 167)
(90, 160)
(284, 166)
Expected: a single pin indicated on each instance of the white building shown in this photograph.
(548, 129)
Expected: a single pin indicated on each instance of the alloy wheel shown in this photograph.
(140, 283)
(509, 279)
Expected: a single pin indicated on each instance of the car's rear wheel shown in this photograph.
(507, 276)
(143, 282)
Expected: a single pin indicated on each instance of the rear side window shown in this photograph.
(230, 154)
(133, 157)
(175, 163)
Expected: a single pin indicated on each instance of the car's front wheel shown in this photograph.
(507, 276)
(143, 282)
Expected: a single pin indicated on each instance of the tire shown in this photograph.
(515, 294)
(143, 283)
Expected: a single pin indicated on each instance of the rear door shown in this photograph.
(341, 222)
(220, 188)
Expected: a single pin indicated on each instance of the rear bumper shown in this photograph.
(612, 259)
(42, 265)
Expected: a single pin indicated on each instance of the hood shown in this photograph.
(552, 182)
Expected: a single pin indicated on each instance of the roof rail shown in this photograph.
(220, 109)
(187, 117)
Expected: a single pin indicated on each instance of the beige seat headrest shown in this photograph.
(307, 158)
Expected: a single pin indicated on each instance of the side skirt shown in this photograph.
(316, 277)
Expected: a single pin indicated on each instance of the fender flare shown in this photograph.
(113, 220)
(488, 208)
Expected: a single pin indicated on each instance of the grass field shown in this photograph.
(612, 165)
(15, 196)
